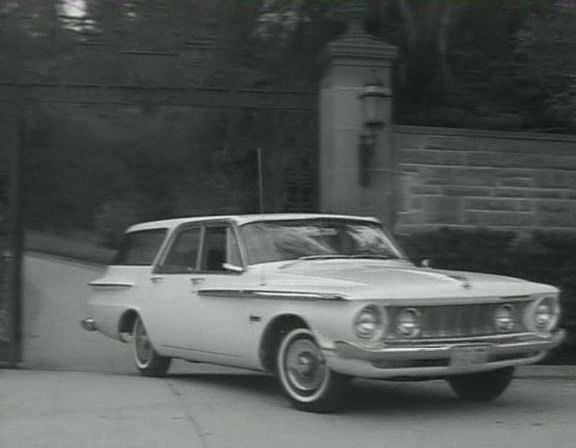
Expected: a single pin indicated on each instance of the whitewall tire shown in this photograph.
(147, 361)
(304, 375)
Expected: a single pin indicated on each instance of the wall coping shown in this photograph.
(481, 133)
(407, 229)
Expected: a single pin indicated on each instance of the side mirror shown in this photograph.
(233, 268)
(426, 263)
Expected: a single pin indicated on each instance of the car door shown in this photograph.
(171, 307)
(194, 303)
(229, 328)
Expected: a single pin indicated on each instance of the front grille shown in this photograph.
(454, 321)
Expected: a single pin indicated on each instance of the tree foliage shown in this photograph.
(504, 64)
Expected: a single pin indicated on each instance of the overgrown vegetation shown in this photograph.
(465, 63)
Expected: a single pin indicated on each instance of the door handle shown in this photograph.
(156, 279)
(197, 281)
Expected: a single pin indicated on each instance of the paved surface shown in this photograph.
(82, 392)
(72, 409)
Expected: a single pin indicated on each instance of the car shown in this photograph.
(316, 300)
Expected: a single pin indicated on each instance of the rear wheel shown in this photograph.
(304, 375)
(482, 386)
(148, 362)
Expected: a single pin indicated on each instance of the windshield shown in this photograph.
(319, 238)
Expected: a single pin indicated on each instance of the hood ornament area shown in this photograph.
(464, 282)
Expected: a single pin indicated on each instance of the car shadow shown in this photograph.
(365, 397)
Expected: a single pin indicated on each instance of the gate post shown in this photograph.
(11, 238)
(356, 168)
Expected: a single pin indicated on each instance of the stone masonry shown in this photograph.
(472, 178)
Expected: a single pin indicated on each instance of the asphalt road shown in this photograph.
(199, 406)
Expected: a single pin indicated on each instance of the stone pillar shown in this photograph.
(355, 59)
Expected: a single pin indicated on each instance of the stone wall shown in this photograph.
(471, 178)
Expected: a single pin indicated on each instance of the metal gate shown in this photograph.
(276, 130)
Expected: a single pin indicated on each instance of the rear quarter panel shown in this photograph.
(120, 289)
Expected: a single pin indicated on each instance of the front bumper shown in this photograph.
(437, 358)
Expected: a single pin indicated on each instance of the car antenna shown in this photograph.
(260, 179)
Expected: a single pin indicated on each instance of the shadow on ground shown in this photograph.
(365, 396)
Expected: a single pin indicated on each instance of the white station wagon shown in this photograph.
(316, 299)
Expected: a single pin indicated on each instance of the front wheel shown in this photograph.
(148, 362)
(304, 375)
(482, 386)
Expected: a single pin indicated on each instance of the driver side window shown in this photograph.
(220, 246)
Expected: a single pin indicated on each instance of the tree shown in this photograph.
(545, 62)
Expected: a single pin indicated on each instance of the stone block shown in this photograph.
(474, 176)
(443, 210)
(517, 172)
(434, 190)
(556, 214)
(555, 179)
(512, 192)
(536, 193)
(516, 182)
(465, 190)
(484, 158)
(561, 162)
(416, 204)
(431, 157)
(498, 219)
(524, 160)
(410, 218)
(491, 204)
(454, 142)
(436, 175)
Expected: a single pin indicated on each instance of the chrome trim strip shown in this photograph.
(208, 352)
(269, 294)
(502, 337)
(111, 284)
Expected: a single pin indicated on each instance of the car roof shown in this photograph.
(242, 219)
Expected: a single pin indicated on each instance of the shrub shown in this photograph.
(111, 221)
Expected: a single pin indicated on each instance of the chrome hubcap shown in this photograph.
(142, 344)
(305, 366)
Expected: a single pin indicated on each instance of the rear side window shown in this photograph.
(140, 248)
(182, 256)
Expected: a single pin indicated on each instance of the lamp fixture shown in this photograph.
(373, 104)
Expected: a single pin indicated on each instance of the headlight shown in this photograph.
(408, 323)
(505, 318)
(545, 314)
(369, 322)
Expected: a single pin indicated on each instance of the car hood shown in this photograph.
(360, 279)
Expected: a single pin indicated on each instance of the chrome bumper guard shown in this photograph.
(427, 350)
(89, 324)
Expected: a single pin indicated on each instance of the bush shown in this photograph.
(111, 221)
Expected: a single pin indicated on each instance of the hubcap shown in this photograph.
(305, 366)
(142, 344)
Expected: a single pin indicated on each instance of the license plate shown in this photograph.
(469, 356)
